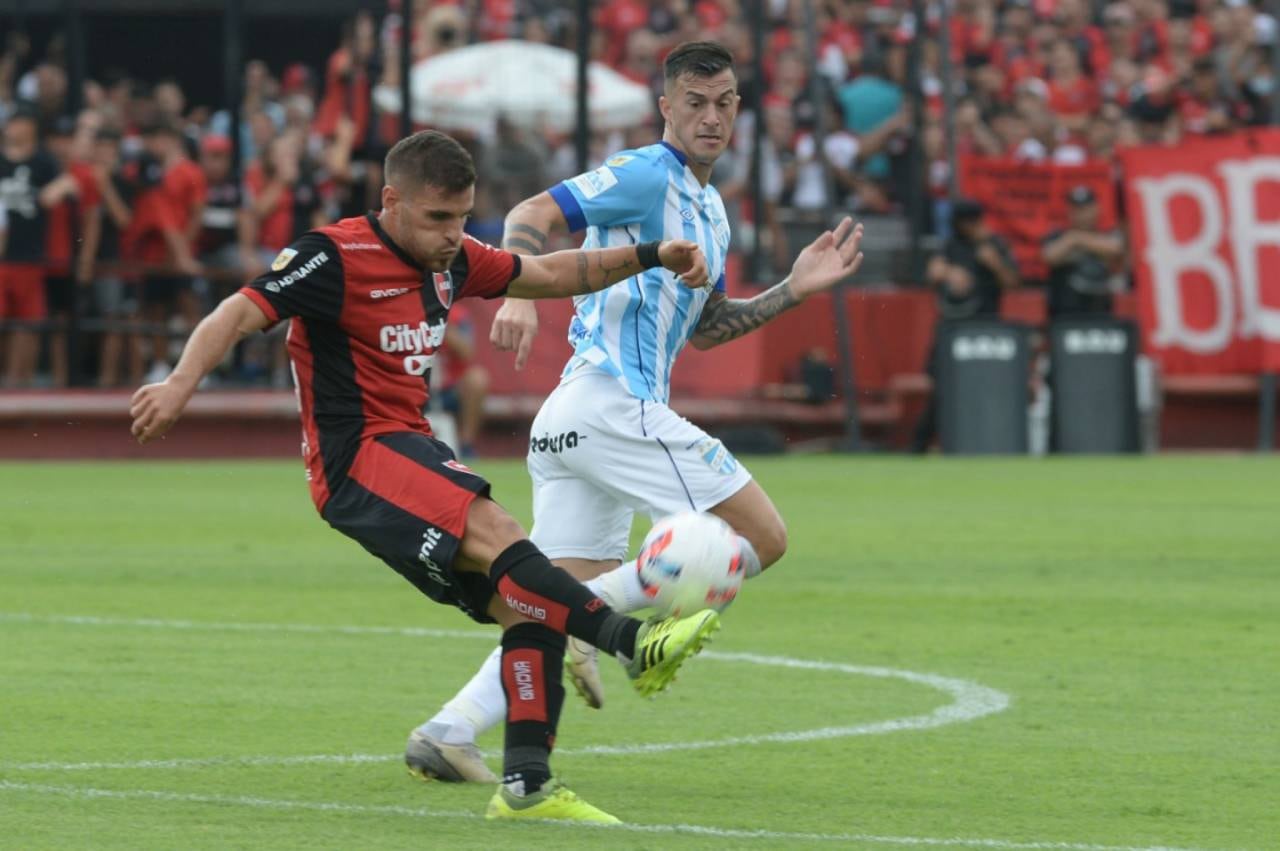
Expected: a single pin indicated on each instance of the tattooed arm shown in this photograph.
(825, 262)
(724, 319)
(579, 272)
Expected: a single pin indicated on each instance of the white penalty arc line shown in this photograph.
(969, 701)
(677, 829)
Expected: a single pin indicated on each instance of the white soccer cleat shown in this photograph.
(580, 662)
(428, 758)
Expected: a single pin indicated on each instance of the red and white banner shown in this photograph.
(1025, 202)
(1204, 230)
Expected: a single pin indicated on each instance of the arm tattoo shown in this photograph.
(584, 285)
(513, 242)
(724, 319)
(532, 240)
(604, 274)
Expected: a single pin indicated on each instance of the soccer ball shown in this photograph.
(690, 562)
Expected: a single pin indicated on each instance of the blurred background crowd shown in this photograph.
(130, 205)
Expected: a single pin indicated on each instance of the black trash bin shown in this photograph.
(1095, 394)
(982, 391)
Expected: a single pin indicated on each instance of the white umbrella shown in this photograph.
(532, 85)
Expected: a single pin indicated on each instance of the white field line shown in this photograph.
(676, 829)
(969, 701)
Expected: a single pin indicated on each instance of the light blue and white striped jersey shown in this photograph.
(634, 329)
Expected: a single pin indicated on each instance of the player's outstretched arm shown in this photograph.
(156, 407)
(823, 263)
(579, 272)
(526, 230)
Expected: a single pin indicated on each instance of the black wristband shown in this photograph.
(647, 254)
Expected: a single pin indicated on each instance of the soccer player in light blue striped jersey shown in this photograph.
(605, 444)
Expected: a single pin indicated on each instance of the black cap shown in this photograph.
(1080, 196)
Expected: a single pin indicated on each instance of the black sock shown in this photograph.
(529, 583)
(532, 663)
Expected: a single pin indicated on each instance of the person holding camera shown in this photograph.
(972, 272)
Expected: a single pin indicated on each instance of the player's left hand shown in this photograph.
(685, 258)
(827, 260)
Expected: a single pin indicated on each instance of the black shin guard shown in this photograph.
(532, 670)
(531, 585)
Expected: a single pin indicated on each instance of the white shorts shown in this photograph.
(597, 454)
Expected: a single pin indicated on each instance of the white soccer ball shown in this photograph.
(690, 562)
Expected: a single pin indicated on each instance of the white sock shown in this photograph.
(620, 588)
(479, 706)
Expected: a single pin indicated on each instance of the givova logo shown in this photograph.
(523, 671)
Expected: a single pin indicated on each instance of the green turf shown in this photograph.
(1129, 608)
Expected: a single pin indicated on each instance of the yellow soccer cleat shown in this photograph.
(663, 645)
(552, 801)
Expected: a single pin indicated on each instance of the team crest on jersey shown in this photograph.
(714, 454)
(444, 287)
(282, 259)
(621, 159)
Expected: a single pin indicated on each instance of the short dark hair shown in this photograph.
(429, 158)
(696, 59)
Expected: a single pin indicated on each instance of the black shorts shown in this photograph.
(60, 293)
(405, 499)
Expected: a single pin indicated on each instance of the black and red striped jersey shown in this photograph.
(365, 323)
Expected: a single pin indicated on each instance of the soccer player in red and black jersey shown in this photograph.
(368, 301)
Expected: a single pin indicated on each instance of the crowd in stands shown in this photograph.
(132, 211)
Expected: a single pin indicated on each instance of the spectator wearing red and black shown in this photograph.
(64, 239)
(282, 202)
(115, 293)
(163, 232)
(217, 245)
(31, 183)
(349, 78)
(1076, 26)
(1073, 96)
(1012, 48)
(1202, 107)
(1119, 35)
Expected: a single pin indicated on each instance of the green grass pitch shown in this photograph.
(191, 658)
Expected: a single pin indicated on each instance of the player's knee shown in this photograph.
(476, 380)
(490, 530)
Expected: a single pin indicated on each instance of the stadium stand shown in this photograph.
(158, 228)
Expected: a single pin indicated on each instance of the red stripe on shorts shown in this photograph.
(419, 490)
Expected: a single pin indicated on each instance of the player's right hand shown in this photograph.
(155, 408)
(685, 259)
(514, 327)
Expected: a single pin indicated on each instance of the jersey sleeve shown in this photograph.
(304, 280)
(620, 192)
(489, 270)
